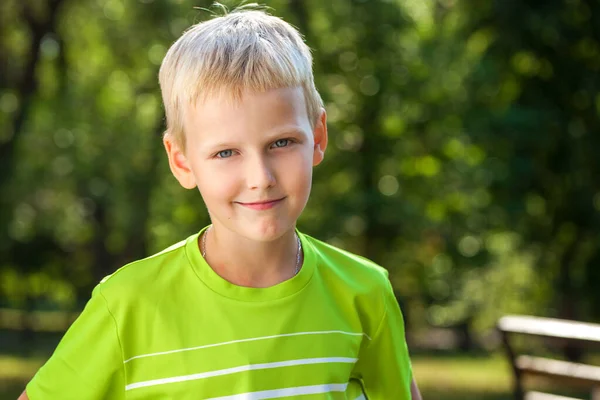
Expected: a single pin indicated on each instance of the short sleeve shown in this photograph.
(88, 362)
(383, 364)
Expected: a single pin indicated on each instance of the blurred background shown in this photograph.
(463, 158)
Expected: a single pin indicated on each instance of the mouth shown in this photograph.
(261, 205)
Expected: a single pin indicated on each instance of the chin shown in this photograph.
(269, 232)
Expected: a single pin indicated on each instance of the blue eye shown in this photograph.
(225, 154)
(281, 143)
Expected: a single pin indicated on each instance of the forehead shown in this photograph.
(223, 115)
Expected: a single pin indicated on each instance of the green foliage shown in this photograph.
(462, 152)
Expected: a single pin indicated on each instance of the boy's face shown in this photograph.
(251, 159)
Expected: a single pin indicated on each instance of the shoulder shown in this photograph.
(145, 273)
(353, 280)
(362, 273)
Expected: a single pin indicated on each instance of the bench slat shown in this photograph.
(550, 327)
(546, 396)
(573, 372)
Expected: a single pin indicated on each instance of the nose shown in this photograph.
(259, 173)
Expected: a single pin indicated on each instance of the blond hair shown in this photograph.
(246, 49)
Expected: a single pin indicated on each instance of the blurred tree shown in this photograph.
(535, 109)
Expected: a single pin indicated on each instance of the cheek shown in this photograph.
(215, 184)
(297, 173)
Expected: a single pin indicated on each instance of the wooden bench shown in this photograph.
(581, 334)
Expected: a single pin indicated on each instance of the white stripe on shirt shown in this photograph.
(248, 340)
(242, 368)
(286, 392)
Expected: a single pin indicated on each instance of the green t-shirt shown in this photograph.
(169, 327)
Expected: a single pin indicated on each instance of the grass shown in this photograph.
(464, 377)
(17, 368)
(478, 377)
(14, 374)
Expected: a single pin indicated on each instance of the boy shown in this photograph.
(248, 308)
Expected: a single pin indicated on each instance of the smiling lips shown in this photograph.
(262, 205)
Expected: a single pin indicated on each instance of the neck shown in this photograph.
(249, 263)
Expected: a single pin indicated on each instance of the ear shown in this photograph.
(320, 135)
(178, 162)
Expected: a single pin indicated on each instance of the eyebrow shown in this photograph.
(287, 130)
